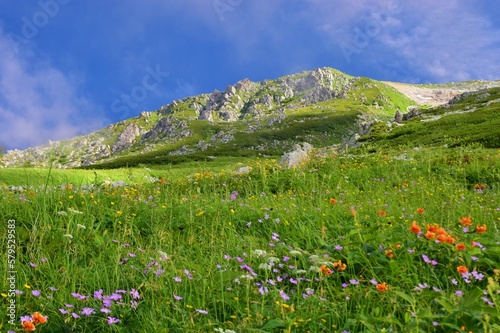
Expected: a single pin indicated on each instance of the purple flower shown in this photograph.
(98, 294)
(234, 195)
(177, 298)
(75, 315)
(284, 296)
(135, 294)
(87, 311)
(35, 293)
(63, 311)
(53, 288)
(345, 285)
(275, 237)
(459, 293)
(338, 247)
(105, 310)
(374, 282)
(354, 282)
(32, 264)
(263, 290)
(68, 305)
(112, 320)
(43, 260)
(25, 318)
(202, 311)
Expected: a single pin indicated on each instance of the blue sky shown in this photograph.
(69, 67)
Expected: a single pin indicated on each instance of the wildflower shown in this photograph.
(466, 221)
(38, 318)
(35, 293)
(481, 229)
(389, 253)
(459, 293)
(460, 247)
(112, 320)
(339, 265)
(325, 270)
(462, 269)
(430, 235)
(382, 287)
(382, 213)
(177, 298)
(284, 296)
(333, 201)
(415, 228)
(28, 326)
(420, 210)
(87, 311)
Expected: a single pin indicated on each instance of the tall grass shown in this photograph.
(332, 246)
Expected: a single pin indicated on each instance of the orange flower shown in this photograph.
(466, 221)
(339, 265)
(38, 318)
(432, 228)
(333, 201)
(325, 270)
(415, 228)
(462, 269)
(382, 212)
(389, 253)
(28, 326)
(430, 235)
(449, 239)
(441, 231)
(441, 238)
(381, 287)
(479, 186)
(460, 247)
(420, 210)
(481, 229)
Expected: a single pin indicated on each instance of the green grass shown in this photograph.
(471, 120)
(213, 251)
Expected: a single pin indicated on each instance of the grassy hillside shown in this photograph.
(346, 243)
(475, 119)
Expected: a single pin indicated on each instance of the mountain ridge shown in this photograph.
(322, 107)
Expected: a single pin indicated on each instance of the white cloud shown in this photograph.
(38, 102)
(436, 41)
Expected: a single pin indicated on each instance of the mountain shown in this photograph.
(323, 107)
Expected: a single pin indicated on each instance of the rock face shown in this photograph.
(298, 156)
(168, 127)
(126, 138)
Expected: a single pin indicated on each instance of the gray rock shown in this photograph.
(298, 156)
(126, 138)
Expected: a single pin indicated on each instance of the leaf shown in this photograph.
(471, 297)
(273, 324)
(405, 297)
(446, 305)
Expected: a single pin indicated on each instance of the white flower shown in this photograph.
(273, 259)
(69, 236)
(62, 213)
(81, 226)
(265, 266)
(295, 253)
(313, 258)
(74, 211)
(259, 253)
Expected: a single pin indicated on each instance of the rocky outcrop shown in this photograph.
(298, 156)
(126, 138)
(168, 127)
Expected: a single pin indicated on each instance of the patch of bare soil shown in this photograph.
(426, 96)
